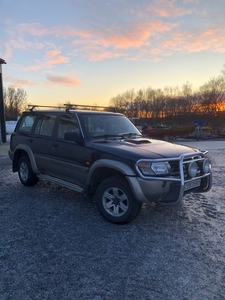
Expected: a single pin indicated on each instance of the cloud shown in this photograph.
(103, 55)
(47, 61)
(134, 36)
(165, 8)
(148, 34)
(34, 29)
(33, 68)
(65, 81)
(210, 39)
(52, 53)
(130, 42)
(37, 29)
(16, 82)
(20, 43)
(58, 60)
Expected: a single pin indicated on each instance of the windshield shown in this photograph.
(97, 125)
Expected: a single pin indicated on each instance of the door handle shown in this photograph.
(54, 145)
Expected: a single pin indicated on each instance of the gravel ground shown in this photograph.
(55, 245)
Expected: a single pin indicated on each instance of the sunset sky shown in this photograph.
(89, 51)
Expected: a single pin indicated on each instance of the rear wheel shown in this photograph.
(116, 202)
(26, 174)
(166, 138)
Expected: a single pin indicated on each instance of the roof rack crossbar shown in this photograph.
(31, 107)
(69, 106)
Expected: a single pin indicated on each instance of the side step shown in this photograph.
(64, 183)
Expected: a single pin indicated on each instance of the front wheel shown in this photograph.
(116, 202)
(26, 174)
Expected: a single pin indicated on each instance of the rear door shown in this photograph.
(40, 140)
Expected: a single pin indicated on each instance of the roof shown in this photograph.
(2, 61)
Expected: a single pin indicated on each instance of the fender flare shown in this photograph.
(30, 154)
(112, 164)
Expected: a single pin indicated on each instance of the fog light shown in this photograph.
(193, 169)
(206, 166)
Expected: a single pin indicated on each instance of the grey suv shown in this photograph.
(102, 154)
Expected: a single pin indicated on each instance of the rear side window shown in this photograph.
(27, 123)
(45, 125)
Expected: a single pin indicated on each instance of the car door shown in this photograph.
(40, 140)
(67, 160)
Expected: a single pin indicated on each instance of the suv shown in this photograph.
(102, 154)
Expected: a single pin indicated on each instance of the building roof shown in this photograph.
(2, 61)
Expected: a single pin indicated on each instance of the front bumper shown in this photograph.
(171, 190)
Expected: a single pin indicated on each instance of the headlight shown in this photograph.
(193, 169)
(154, 168)
(206, 166)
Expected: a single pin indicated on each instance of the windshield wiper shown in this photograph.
(120, 136)
(108, 136)
(130, 134)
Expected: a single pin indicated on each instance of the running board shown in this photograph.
(64, 183)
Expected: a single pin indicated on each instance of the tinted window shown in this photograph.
(100, 124)
(45, 125)
(27, 123)
(67, 124)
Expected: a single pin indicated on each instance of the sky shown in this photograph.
(89, 51)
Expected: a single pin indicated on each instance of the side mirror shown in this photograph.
(72, 136)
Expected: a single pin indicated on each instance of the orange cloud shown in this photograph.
(164, 8)
(20, 44)
(210, 39)
(52, 53)
(62, 80)
(34, 29)
(103, 55)
(68, 31)
(17, 83)
(135, 37)
(46, 63)
(33, 68)
(37, 29)
(58, 60)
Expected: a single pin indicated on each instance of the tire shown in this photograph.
(166, 138)
(116, 202)
(26, 174)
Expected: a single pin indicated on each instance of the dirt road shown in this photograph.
(55, 245)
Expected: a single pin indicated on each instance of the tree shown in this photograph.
(15, 102)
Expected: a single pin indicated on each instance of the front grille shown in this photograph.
(175, 167)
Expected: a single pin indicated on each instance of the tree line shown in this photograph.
(177, 105)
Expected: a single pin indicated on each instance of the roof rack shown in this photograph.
(31, 107)
(69, 106)
(89, 107)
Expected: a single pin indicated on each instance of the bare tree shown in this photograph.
(176, 105)
(15, 102)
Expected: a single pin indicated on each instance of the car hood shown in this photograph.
(141, 148)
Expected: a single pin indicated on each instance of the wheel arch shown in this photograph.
(24, 150)
(105, 168)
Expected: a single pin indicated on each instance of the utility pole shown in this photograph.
(2, 107)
